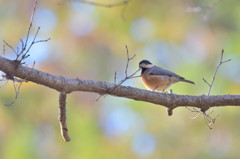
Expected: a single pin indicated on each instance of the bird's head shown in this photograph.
(145, 64)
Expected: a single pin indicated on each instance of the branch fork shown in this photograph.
(207, 118)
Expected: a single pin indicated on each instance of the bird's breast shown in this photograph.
(156, 82)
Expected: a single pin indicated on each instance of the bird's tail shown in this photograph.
(187, 81)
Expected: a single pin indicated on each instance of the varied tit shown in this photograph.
(158, 79)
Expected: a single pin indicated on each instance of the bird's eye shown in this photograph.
(142, 65)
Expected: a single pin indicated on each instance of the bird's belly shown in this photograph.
(156, 82)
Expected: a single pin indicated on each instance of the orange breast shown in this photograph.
(156, 82)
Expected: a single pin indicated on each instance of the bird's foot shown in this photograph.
(164, 92)
(167, 92)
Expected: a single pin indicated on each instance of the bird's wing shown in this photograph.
(160, 71)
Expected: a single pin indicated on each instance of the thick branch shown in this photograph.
(63, 84)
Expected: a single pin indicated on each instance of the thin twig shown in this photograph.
(213, 79)
(207, 118)
(105, 5)
(123, 12)
(30, 24)
(128, 59)
(22, 43)
(206, 121)
(199, 113)
(127, 77)
(16, 89)
(25, 49)
(100, 96)
(40, 41)
(10, 47)
(126, 70)
(23, 54)
(206, 82)
(4, 50)
(192, 110)
(136, 76)
(115, 78)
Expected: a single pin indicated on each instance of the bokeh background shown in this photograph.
(88, 42)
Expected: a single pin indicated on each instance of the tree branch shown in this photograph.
(124, 2)
(62, 116)
(64, 84)
(213, 79)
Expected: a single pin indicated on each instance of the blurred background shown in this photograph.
(88, 42)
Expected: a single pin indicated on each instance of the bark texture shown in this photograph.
(63, 117)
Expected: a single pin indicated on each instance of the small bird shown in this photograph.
(158, 79)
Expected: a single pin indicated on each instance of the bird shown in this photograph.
(158, 79)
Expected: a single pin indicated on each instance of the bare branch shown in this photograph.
(62, 116)
(16, 89)
(68, 85)
(9, 47)
(213, 79)
(4, 50)
(126, 71)
(206, 82)
(126, 74)
(115, 78)
(23, 53)
(124, 2)
(199, 113)
(209, 121)
(22, 43)
(207, 118)
(128, 59)
(125, 79)
(194, 110)
(30, 24)
(40, 41)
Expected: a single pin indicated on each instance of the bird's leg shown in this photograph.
(167, 92)
(164, 92)
(155, 88)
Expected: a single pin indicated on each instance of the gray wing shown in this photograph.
(160, 71)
